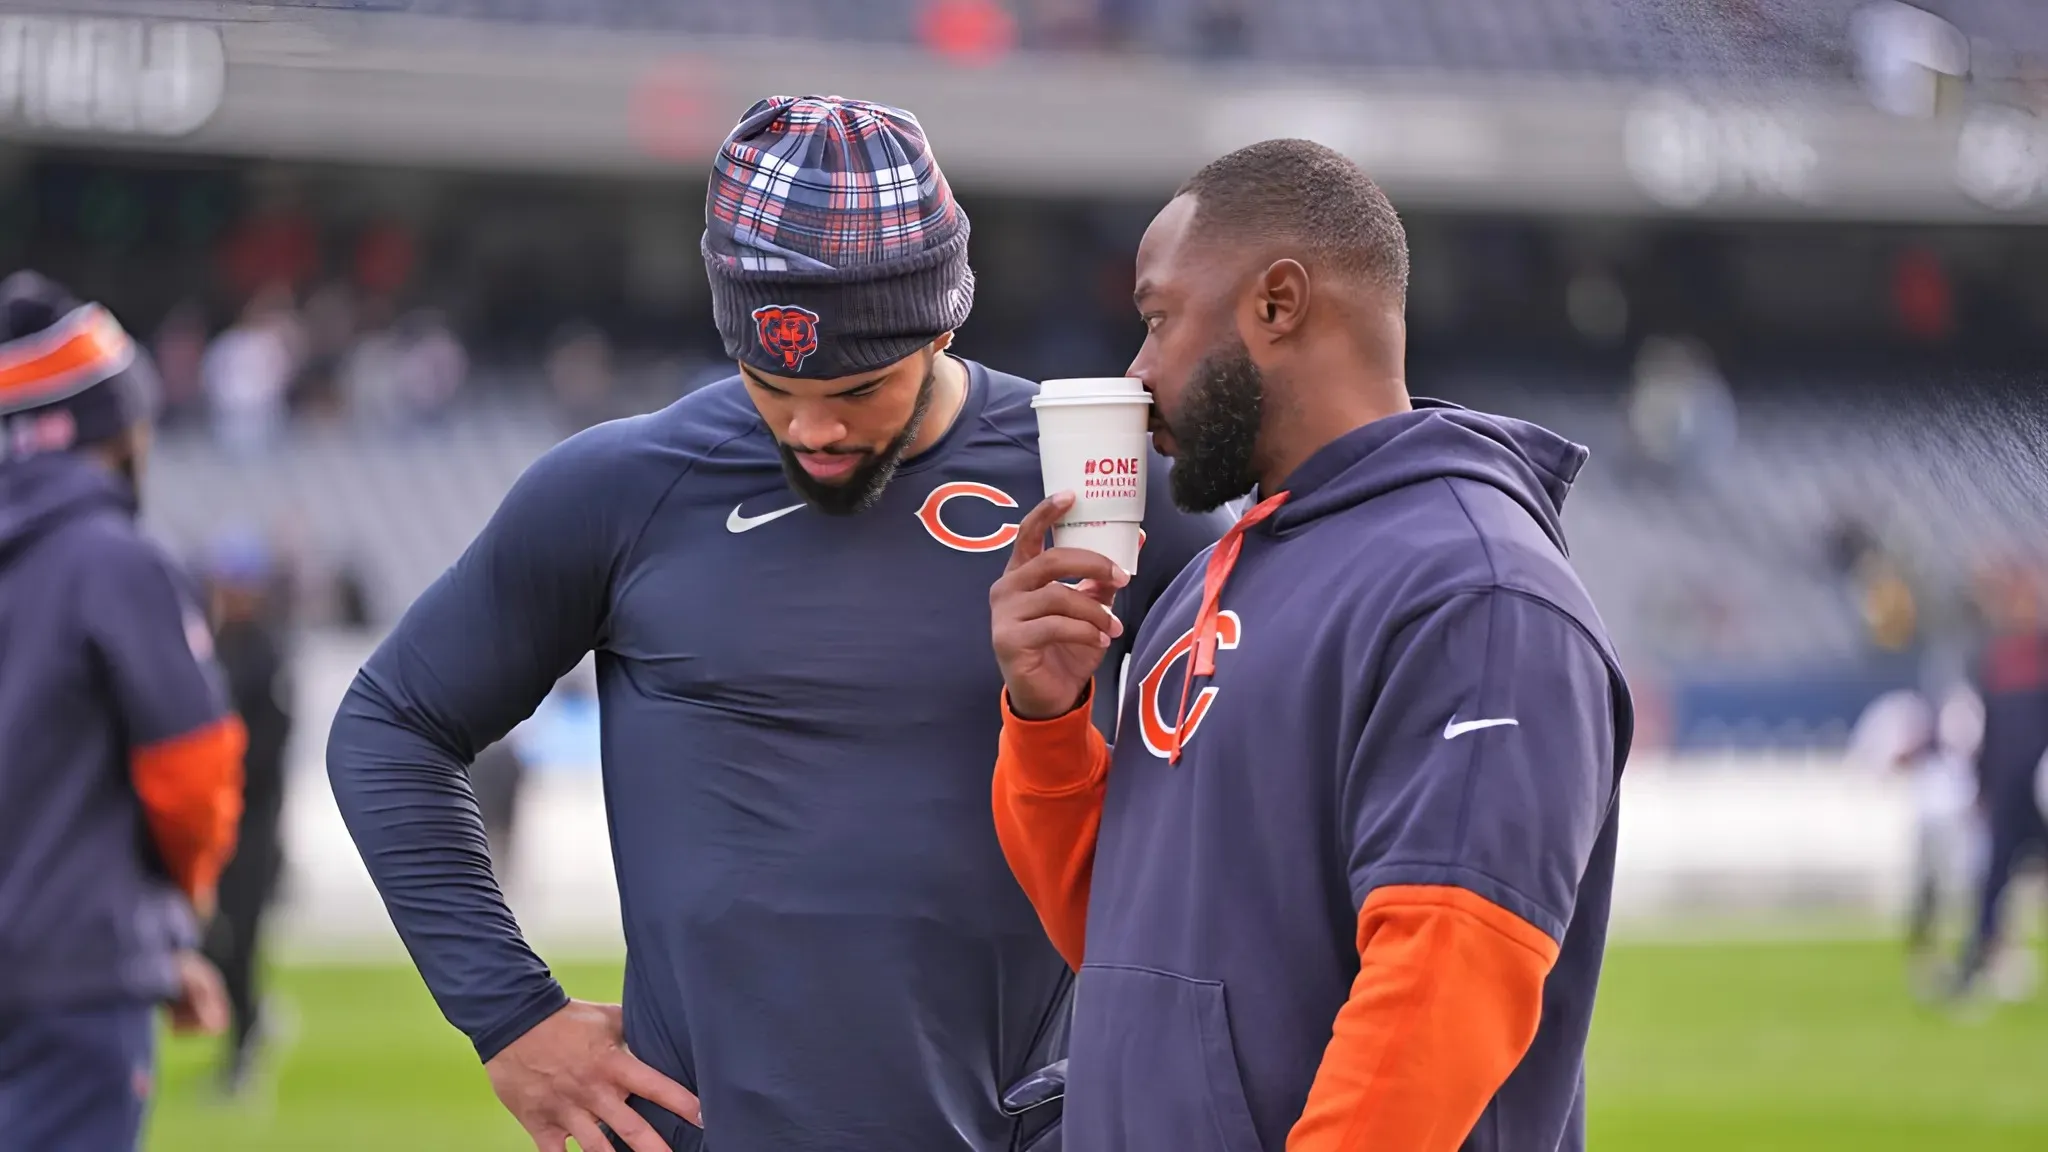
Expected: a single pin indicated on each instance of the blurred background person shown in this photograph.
(431, 368)
(406, 375)
(561, 737)
(1680, 410)
(120, 758)
(2012, 678)
(248, 372)
(579, 375)
(179, 351)
(329, 326)
(249, 636)
(497, 776)
(1935, 748)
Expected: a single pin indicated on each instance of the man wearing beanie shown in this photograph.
(120, 764)
(785, 579)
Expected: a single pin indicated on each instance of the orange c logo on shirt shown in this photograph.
(929, 516)
(1153, 724)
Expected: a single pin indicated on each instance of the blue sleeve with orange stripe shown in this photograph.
(154, 649)
(1484, 774)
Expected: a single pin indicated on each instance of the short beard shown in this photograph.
(1217, 431)
(863, 489)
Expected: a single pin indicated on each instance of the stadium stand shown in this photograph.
(1798, 40)
(398, 510)
(1672, 561)
(1728, 565)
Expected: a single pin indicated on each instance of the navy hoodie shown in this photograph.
(106, 685)
(799, 712)
(1410, 688)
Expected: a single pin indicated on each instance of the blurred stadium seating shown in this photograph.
(1663, 39)
(396, 508)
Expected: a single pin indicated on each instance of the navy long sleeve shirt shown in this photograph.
(799, 717)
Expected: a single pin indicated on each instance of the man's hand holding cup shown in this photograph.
(1050, 618)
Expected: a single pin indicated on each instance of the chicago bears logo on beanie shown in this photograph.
(787, 332)
(831, 240)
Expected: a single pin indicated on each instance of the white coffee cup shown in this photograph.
(1092, 442)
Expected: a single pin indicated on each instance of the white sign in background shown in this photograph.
(152, 78)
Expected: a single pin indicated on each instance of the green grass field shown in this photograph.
(1722, 1047)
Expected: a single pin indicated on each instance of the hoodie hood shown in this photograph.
(42, 492)
(1530, 463)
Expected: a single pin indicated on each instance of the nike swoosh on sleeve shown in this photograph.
(1454, 728)
(737, 522)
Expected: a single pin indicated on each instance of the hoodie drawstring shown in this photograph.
(1202, 658)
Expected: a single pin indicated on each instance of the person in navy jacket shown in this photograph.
(1343, 882)
(120, 756)
(785, 579)
(2012, 680)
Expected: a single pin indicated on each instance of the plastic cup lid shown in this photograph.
(1094, 389)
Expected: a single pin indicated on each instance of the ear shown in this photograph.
(1280, 298)
(944, 342)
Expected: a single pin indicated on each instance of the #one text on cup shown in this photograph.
(1111, 476)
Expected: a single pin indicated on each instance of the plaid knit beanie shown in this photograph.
(831, 239)
(69, 375)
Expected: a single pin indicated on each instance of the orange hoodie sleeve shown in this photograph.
(1448, 995)
(191, 792)
(166, 691)
(1049, 781)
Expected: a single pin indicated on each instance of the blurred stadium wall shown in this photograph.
(1778, 262)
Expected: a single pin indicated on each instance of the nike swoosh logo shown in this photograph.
(737, 522)
(1454, 729)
